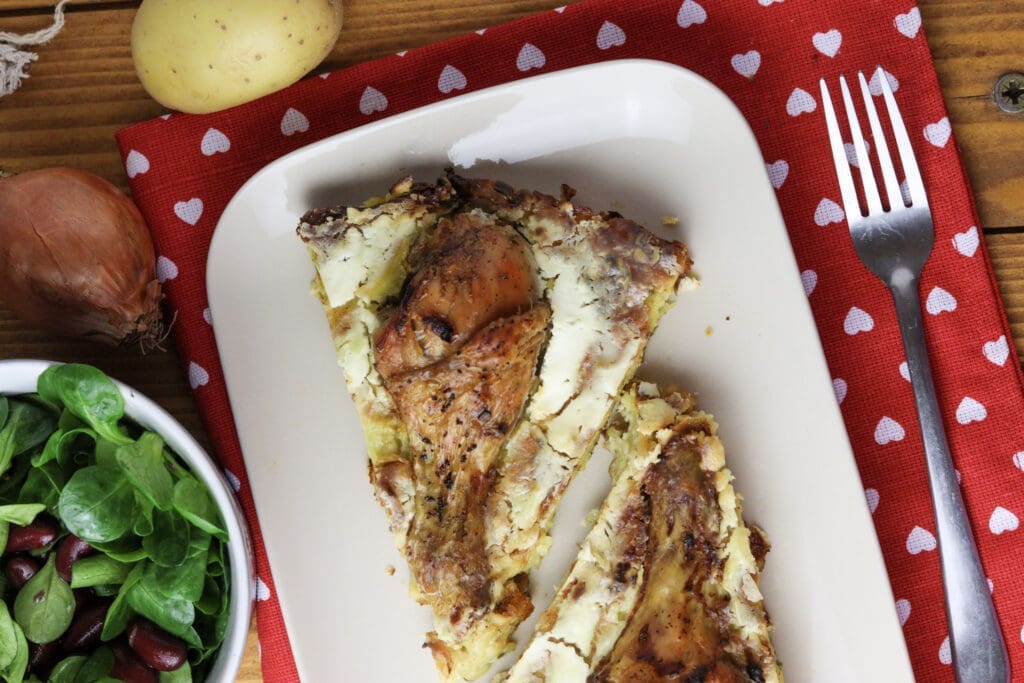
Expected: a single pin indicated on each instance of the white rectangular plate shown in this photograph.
(646, 139)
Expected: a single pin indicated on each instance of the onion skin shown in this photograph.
(76, 258)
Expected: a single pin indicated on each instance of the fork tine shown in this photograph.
(867, 177)
(914, 184)
(846, 187)
(892, 185)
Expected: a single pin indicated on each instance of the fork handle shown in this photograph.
(976, 641)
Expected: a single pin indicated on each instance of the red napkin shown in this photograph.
(768, 56)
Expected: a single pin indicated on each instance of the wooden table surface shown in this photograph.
(83, 88)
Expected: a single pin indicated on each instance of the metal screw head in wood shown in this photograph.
(1009, 93)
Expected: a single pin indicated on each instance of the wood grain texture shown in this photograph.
(83, 88)
(47, 6)
(1006, 249)
(973, 44)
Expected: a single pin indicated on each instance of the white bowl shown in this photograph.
(19, 377)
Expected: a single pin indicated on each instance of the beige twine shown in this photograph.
(14, 61)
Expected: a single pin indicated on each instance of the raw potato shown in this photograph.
(200, 56)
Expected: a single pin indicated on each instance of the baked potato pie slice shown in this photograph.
(485, 334)
(665, 586)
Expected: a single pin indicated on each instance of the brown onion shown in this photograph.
(76, 258)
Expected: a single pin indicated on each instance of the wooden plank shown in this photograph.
(47, 6)
(1006, 249)
(974, 43)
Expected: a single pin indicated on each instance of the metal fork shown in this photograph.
(894, 244)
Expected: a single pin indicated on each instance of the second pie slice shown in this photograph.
(665, 586)
(485, 334)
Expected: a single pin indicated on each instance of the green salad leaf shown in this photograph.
(143, 463)
(45, 605)
(21, 514)
(120, 611)
(87, 393)
(193, 501)
(171, 614)
(97, 667)
(27, 426)
(168, 545)
(67, 669)
(97, 504)
(99, 570)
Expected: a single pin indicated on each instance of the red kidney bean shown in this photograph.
(41, 657)
(19, 570)
(86, 627)
(39, 534)
(130, 668)
(82, 597)
(69, 551)
(155, 647)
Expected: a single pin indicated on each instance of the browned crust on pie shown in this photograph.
(680, 629)
(457, 354)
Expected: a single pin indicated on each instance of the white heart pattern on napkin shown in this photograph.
(135, 164)
(530, 57)
(871, 495)
(888, 430)
(560, 9)
(839, 387)
(208, 316)
(166, 269)
(827, 43)
(480, 31)
(910, 23)
(966, 242)
(800, 102)
(851, 152)
(450, 79)
(214, 141)
(920, 540)
(372, 100)
(828, 212)
(778, 171)
(945, 654)
(233, 480)
(997, 351)
(261, 590)
(190, 211)
(903, 610)
(1002, 520)
(197, 375)
(691, 13)
(905, 371)
(938, 133)
(970, 411)
(766, 3)
(810, 280)
(1018, 460)
(858, 320)
(746, 64)
(294, 121)
(610, 35)
(875, 85)
(940, 301)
